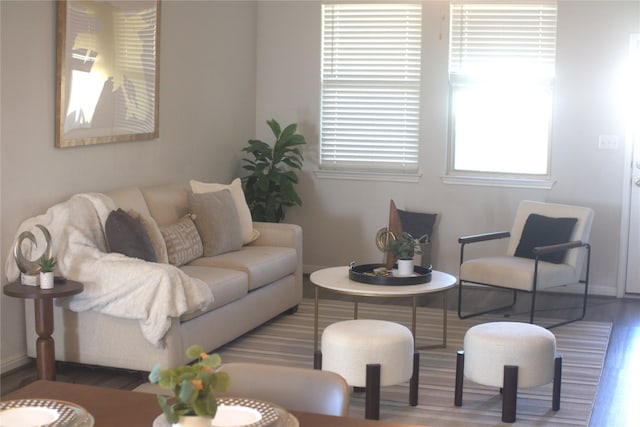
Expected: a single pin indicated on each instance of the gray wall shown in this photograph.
(207, 113)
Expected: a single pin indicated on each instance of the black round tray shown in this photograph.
(359, 274)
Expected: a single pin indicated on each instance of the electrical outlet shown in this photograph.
(608, 142)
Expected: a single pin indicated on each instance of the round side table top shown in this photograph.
(337, 279)
(65, 289)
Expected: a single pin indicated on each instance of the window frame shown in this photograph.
(460, 78)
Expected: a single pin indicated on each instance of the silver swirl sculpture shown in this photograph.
(26, 266)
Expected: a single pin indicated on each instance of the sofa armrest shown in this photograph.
(278, 234)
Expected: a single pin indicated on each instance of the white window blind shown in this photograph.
(506, 37)
(370, 87)
(501, 71)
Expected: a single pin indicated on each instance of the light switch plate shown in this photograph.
(608, 142)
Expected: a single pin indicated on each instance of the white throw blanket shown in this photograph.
(114, 284)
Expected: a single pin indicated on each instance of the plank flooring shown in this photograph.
(618, 394)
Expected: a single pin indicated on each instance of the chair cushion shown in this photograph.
(127, 235)
(488, 347)
(516, 273)
(542, 230)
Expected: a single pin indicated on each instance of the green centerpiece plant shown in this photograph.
(269, 188)
(404, 247)
(192, 386)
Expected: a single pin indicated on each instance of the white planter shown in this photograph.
(193, 421)
(405, 267)
(46, 280)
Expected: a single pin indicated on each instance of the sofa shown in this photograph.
(249, 284)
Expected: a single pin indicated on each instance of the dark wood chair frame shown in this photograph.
(537, 252)
(509, 388)
(372, 385)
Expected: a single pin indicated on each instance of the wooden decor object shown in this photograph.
(395, 227)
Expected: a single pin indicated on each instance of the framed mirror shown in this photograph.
(107, 71)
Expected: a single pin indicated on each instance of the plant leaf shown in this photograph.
(275, 127)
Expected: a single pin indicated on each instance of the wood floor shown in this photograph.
(618, 394)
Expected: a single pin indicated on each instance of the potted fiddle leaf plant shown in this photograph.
(270, 187)
(403, 248)
(47, 267)
(192, 386)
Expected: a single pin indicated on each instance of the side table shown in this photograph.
(43, 304)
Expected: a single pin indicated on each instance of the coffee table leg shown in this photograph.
(45, 348)
(444, 318)
(444, 325)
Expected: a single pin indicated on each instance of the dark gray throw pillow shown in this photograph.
(540, 230)
(127, 236)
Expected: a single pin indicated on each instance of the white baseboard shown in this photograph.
(14, 363)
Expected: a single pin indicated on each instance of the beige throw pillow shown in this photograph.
(244, 214)
(183, 241)
(216, 218)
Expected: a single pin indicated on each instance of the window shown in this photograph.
(370, 87)
(501, 73)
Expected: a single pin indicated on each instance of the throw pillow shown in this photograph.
(541, 230)
(126, 235)
(183, 241)
(153, 231)
(244, 214)
(216, 218)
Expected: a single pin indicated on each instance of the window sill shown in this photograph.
(489, 181)
(367, 176)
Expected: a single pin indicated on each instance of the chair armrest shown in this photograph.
(542, 250)
(483, 237)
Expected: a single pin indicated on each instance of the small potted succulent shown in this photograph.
(192, 387)
(404, 248)
(47, 266)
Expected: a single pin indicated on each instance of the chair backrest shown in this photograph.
(581, 230)
(298, 389)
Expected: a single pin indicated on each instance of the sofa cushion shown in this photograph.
(216, 218)
(153, 231)
(127, 235)
(168, 203)
(263, 264)
(129, 198)
(183, 241)
(244, 214)
(226, 285)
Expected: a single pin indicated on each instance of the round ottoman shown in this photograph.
(509, 355)
(371, 353)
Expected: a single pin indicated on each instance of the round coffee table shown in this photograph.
(336, 279)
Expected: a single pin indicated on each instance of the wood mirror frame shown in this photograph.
(107, 71)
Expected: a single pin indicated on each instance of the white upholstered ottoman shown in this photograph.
(509, 355)
(370, 354)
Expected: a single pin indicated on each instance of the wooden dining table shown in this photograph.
(120, 408)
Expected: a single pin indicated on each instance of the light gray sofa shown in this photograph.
(250, 286)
